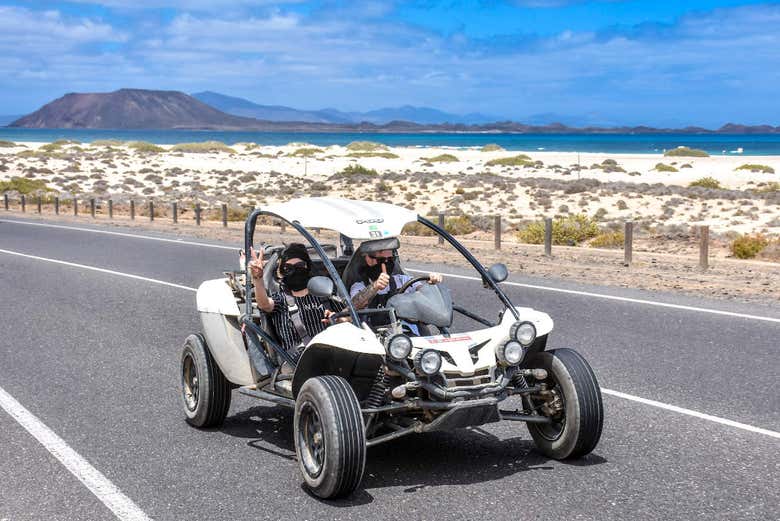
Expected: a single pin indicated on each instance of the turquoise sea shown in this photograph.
(715, 144)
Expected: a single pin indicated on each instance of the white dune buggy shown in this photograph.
(356, 385)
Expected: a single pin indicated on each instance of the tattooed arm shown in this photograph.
(363, 297)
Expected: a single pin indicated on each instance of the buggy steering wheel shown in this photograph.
(411, 282)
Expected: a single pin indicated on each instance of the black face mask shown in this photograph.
(297, 279)
(373, 272)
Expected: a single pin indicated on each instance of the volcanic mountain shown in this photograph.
(132, 109)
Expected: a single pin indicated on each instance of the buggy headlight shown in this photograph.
(523, 332)
(398, 347)
(428, 362)
(511, 353)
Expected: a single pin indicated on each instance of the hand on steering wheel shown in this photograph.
(413, 281)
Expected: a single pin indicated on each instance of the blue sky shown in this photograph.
(606, 62)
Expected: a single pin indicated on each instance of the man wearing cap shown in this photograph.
(295, 315)
(378, 282)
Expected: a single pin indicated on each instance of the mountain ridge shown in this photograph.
(158, 109)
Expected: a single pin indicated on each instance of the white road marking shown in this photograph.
(645, 401)
(108, 493)
(618, 299)
(123, 234)
(695, 414)
(101, 270)
(518, 284)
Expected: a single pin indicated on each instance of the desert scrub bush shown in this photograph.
(774, 186)
(107, 143)
(203, 147)
(686, 152)
(357, 170)
(366, 146)
(145, 147)
(706, 182)
(384, 155)
(24, 186)
(757, 168)
(570, 230)
(459, 225)
(7, 144)
(491, 147)
(441, 158)
(748, 246)
(305, 152)
(660, 167)
(607, 240)
(518, 160)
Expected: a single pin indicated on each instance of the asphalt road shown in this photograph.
(94, 356)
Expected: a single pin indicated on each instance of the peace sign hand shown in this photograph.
(256, 263)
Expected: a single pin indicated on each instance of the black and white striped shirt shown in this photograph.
(312, 310)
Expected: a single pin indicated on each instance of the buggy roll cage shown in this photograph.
(249, 233)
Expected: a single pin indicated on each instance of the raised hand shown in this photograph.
(434, 278)
(383, 280)
(256, 263)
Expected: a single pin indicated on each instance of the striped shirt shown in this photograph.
(312, 311)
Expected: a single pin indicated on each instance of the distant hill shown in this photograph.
(419, 115)
(249, 109)
(158, 109)
(130, 109)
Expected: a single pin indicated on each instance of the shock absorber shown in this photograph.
(376, 397)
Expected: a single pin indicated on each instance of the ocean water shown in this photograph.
(717, 144)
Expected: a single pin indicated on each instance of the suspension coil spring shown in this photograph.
(376, 397)
(518, 380)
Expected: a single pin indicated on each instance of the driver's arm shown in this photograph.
(362, 295)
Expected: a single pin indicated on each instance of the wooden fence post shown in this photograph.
(75, 206)
(132, 210)
(40, 203)
(92, 207)
(628, 244)
(197, 214)
(23, 202)
(497, 232)
(441, 225)
(704, 247)
(548, 236)
(283, 226)
(175, 212)
(110, 208)
(5, 198)
(224, 215)
(151, 211)
(57, 205)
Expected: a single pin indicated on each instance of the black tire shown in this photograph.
(577, 431)
(330, 437)
(205, 391)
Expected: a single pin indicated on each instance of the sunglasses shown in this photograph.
(382, 260)
(286, 269)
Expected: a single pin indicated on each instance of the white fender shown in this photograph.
(215, 296)
(350, 338)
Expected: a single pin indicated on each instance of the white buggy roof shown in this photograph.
(356, 219)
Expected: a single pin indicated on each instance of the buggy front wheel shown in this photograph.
(205, 391)
(329, 435)
(573, 404)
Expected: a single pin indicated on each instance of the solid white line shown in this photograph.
(108, 493)
(618, 394)
(100, 270)
(518, 284)
(619, 299)
(689, 412)
(122, 234)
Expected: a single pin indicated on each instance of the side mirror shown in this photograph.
(320, 286)
(498, 272)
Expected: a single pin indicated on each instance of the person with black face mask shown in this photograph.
(378, 282)
(295, 315)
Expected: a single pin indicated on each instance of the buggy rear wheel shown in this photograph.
(330, 439)
(205, 391)
(574, 405)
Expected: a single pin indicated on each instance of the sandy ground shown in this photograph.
(549, 184)
(730, 279)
